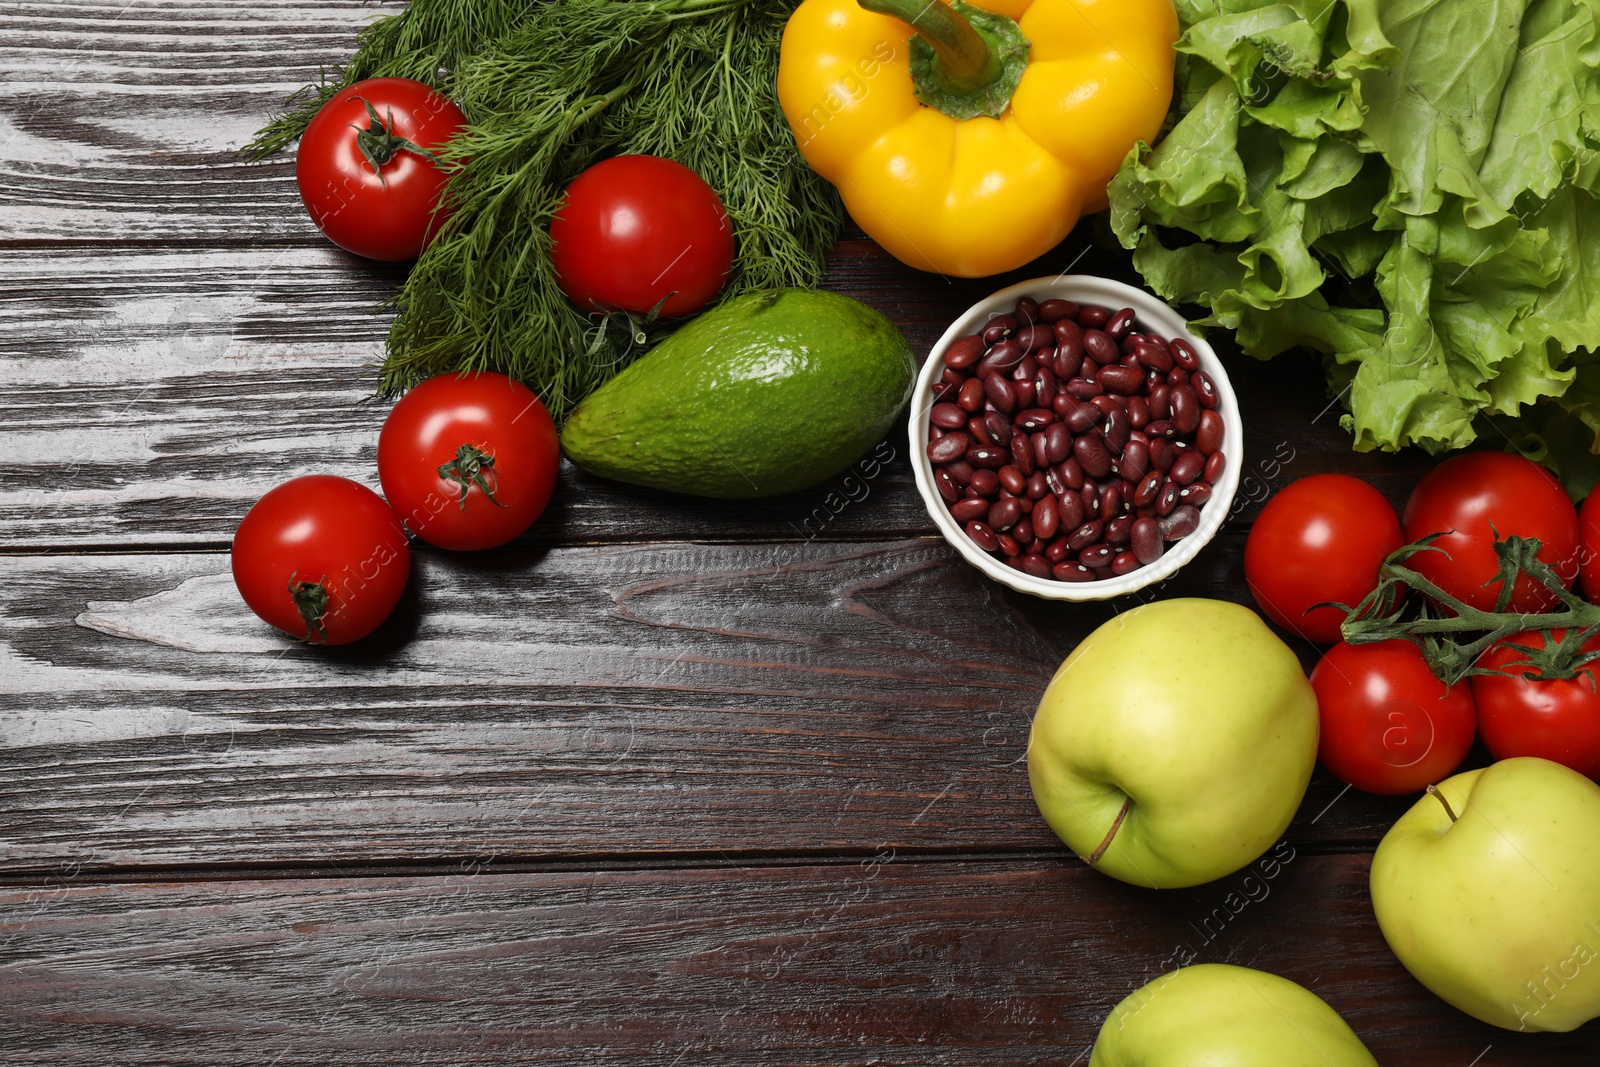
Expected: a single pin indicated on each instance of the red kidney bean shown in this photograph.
(1208, 435)
(1092, 454)
(1024, 503)
(1184, 354)
(972, 508)
(1125, 563)
(1034, 419)
(1012, 480)
(993, 334)
(1118, 530)
(1125, 381)
(971, 396)
(1216, 463)
(1106, 404)
(978, 430)
(943, 392)
(1133, 362)
(1196, 493)
(1185, 409)
(1145, 537)
(1082, 417)
(1187, 467)
(947, 416)
(1097, 556)
(999, 428)
(1175, 376)
(1004, 513)
(1038, 488)
(1001, 393)
(1159, 409)
(1024, 371)
(1036, 337)
(1041, 457)
(964, 353)
(1046, 517)
(1100, 347)
(984, 482)
(1093, 316)
(1089, 495)
(1008, 545)
(1023, 531)
(1161, 453)
(1110, 500)
(1157, 359)
(1027, 309)
(1138, 412)
(1119, 324)
(1066, 363)
(1205, 389)
(1085, 535)
(1022, 454)
(1135, 462)
(1071, 472)
(1160, 429)
(1083, 388)
(961, 471)
(982, 536)
(1024, 391)
(1116, 428)
(1056, 310)
(1072, 572)
(1184, 521)
(1036, 565)
(1069, 511)
(1008, 322)
(948, 448)
(1167, 499)
(946, 485)
(1058, 442)
(988, 457)
(1056, 550)
(1044, 388)
(950, 376)
(1001, 358)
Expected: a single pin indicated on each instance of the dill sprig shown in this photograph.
(569, 83)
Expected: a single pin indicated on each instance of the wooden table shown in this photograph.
(667, 781)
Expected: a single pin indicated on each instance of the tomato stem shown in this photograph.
(311, 601)
(467, 470)
(379, 144)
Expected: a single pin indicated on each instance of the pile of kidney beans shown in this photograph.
(1072, 444)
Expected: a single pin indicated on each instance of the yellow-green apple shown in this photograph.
(1175, 743)
(1215, 1013)
(1488, 891)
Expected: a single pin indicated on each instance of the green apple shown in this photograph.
(1175, 743)
(1218, 1014)
(1491, 898)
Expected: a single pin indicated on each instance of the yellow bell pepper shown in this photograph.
(967, 147)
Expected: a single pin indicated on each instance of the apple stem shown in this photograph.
(1433, 790)
(1094, 857)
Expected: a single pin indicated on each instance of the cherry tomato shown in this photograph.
(321, 558)
(1589, 549)
(1462, 497)
(1388, 725)
(637, 230)
(1319, 540)
(366, 169)
(1558, 720)
(469, 460)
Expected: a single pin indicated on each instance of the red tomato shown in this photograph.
(469, 460)
(637, 230)
(1462, 497)
(1388, 725)
(1321, 539)
(366, 171)
(321, 558)
(1589, 550)
(1556, 720)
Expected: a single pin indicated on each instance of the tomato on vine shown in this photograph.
(367, 168)
(322, 558)
(1555, 718)
(469, 460)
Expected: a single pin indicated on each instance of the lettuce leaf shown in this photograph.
(1411, 187)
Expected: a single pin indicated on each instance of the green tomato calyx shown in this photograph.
(311, 601)
(379, 144)
(467, 470)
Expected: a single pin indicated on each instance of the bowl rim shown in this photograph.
(1153, 312)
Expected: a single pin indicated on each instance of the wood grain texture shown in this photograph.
(123, 120)
(876, 962)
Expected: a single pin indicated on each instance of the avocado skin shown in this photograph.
(764, 394)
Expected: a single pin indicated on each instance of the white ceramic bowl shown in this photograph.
(1153, 314)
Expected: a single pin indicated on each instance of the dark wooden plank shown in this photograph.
(577, 701)
(123, 121)
(153, 395)
(881, 961)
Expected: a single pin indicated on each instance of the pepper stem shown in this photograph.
(965, 61)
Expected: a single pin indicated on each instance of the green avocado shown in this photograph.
(764, 394)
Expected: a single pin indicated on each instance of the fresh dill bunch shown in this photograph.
(692, 80)
(550, 88)
(427, 42)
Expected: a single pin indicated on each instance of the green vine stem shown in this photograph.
(1452, 634)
